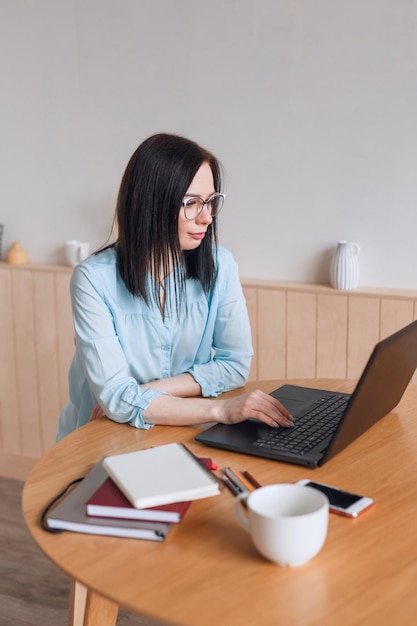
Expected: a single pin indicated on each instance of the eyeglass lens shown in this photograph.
(194, 206)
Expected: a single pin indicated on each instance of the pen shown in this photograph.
(231, 486)
(240, 483)
(251, 479)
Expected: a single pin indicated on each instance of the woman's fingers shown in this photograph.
(258, 405)
(96, 413)
(269, 410)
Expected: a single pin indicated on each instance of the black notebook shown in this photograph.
(326, 421)
(71, 514)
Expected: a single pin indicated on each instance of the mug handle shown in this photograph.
(240, 507)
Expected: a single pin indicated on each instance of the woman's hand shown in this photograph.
(258, 405)
(171, 410)
(96, 413)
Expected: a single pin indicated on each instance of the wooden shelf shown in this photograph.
(37, 267)
(328, 289)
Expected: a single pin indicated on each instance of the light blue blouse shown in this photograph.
(122, 342)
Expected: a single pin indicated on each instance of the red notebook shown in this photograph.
(109, 501)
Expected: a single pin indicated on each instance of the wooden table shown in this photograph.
(207, 571)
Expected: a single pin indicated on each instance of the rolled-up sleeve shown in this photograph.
(103, 360)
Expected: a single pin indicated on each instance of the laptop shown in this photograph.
(347, 416)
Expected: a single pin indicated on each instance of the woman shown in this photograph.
(160, 318)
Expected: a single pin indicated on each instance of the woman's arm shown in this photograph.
(100, 358)
(187, 411)
(181, 386)
(182, 408)
(183, 411)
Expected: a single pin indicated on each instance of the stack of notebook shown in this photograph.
(139, 494)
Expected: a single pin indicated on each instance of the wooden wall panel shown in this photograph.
(251, 297)
(342, 327)
(27, 371)
(46, 331)
(271, 334)
(301, 334)
(332, 320)
(37, 347)
(9, 408)
(65, 331)
(394, 315)
(363, 332)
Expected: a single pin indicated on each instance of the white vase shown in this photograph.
(344, 266)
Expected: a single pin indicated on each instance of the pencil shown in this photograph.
(241, 483)
(252, 480)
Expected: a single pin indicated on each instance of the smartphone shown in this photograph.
(341, 502)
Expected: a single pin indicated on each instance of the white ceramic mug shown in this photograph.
(76, 251)
(287, 522)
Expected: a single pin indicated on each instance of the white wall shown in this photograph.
(311, 105)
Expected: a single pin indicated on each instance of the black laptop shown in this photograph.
(325, 422)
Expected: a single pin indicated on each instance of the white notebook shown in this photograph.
(71, 514)
(161, 475)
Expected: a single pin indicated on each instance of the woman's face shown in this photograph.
(192, 232)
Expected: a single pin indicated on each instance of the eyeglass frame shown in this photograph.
(204, 202)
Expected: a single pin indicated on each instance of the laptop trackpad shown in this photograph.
(293, 406)
(297, 399)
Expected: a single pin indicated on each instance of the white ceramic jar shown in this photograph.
(344, 266)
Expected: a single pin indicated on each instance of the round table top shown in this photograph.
(207, 570)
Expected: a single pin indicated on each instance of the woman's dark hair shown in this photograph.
(151, 192)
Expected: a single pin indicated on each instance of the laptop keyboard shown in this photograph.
(309, 430)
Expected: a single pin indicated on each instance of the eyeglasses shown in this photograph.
(194, 205)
